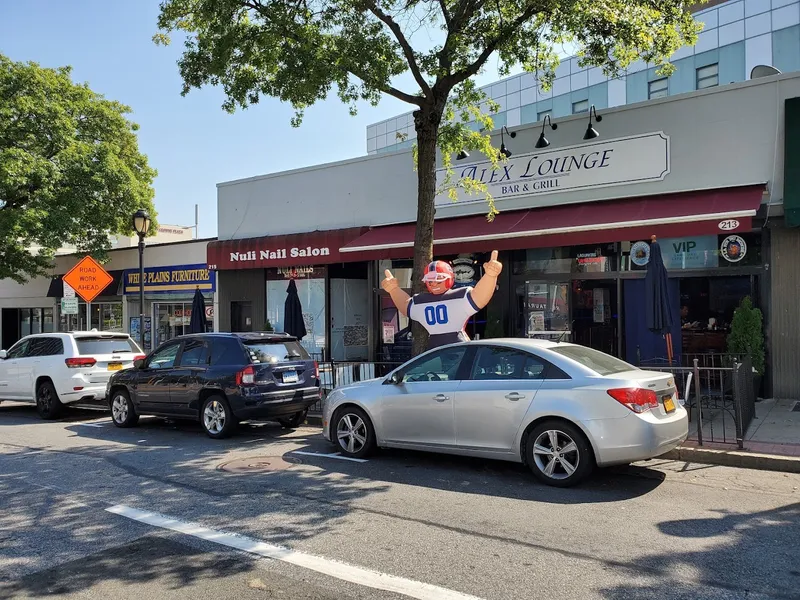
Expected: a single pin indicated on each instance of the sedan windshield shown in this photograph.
(597, 361)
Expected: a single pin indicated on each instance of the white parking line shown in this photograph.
(332, 568)
(332, 455)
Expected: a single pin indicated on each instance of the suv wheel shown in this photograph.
(295, 420)
(355, 435)
(559, 454)
(217, 418)
(122, 411)
(47, 403)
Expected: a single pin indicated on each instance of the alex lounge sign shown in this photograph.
(621, 161)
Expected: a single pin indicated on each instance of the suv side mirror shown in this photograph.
(138, 363)
(3, 354)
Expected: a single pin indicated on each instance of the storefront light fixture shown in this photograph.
(512, 134)
(462, 155)
(591, 132)
(543, 142)
(141, 222)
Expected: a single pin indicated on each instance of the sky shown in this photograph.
(190, 140)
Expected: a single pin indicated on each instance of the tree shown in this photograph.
(70, 169)
(298, 50)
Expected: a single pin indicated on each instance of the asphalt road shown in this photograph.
(161, 511)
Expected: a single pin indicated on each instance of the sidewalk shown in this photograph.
(772, 442)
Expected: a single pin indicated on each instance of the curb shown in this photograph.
(736, 458)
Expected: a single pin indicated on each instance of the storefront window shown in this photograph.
(566, 259)
(172, 319)
(699, 252)
(106, 316)
(311, 291)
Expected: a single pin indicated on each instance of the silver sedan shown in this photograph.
(560, 408)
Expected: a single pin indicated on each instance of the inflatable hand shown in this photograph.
(390, 283)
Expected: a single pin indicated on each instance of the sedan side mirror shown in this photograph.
(3, 354)
(396, 378)
(138, 363)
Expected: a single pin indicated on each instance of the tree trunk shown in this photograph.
(426, 123)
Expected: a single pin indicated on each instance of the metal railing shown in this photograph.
(720, 399)
(334, 374)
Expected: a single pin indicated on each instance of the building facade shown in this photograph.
(703, 171)
(737, 36)
(174, 270)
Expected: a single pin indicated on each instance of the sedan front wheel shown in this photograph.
(354, 432)
(559, 454)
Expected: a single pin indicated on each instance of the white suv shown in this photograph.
(56, 369)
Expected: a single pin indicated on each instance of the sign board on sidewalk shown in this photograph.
(68, 291)
(69, 306)
(88, 279)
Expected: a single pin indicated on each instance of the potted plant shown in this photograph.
(747, 337)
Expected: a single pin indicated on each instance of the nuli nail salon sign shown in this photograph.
(595, 164)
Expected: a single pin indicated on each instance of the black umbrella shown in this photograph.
(658, 315)
(197, 324)
(293, 322)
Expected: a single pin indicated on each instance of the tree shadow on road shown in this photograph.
(743, 555)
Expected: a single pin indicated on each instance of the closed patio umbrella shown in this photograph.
(197, 323)
(657, 304)
(293, 322)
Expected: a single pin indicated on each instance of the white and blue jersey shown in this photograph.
(443, 316)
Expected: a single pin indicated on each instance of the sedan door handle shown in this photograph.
(441, 398)
(514, 396)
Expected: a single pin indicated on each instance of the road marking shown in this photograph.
(332, 568)
(332, 455)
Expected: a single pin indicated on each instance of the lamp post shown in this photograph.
(141, 224)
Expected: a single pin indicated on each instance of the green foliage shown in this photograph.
(70, 168)
(268, 326)
(747, 336)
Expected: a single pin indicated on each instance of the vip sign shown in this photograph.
(621, 161)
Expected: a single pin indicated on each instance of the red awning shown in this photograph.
(674, 215)
(295, 250)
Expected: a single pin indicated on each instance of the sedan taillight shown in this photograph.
(636, 399)
(246, 376)
(316, 369)
(80, 362)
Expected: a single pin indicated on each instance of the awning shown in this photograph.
(56, 289)
(673, 215)
(293, 250)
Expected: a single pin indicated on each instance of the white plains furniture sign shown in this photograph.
(621, 161)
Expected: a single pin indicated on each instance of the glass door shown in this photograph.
(594, 314)
(543, 309)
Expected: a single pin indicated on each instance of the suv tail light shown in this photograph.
(80, 362)
(316, 369)
(140, 357)
(637, 399)
(246, 376)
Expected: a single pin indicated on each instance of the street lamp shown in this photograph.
(141, 224)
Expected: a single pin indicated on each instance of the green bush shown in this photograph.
(747, 336)
(268, 326)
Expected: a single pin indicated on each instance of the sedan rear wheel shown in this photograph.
(355, 435)
(559, 454)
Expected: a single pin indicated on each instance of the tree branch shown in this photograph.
(387, 89)
(408, 51)
(473, 69)
(445, 13)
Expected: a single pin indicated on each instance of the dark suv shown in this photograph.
(219, 379)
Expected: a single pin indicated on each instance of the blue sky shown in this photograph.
(192, 142)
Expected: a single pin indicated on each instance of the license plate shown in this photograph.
(114, 366)
(669, 404)
(290, 377)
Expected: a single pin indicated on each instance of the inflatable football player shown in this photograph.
(443, 311)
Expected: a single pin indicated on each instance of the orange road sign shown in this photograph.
(88, 279)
